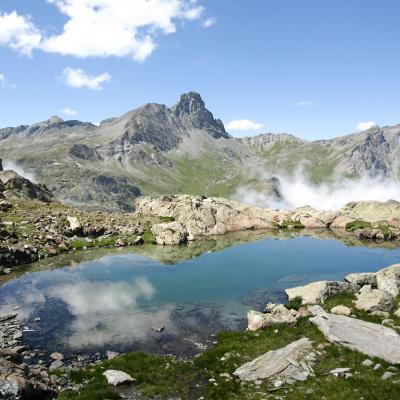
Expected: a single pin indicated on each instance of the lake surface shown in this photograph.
(100, 300)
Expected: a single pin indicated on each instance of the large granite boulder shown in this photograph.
(289, 364)
(371, 339)
(318, 292)
(361, 279)
(388, 279)
(371, 300)
(372, 211)
(170, 233)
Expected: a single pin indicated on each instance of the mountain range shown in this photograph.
(157, 149)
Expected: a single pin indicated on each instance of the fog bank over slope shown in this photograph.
(297, 191)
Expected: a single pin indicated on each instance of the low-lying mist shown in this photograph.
(298, 191)
(12, 165)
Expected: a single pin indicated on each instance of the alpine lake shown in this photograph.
(174, 299)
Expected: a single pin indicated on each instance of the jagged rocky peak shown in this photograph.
(191, 110)
(189, 103)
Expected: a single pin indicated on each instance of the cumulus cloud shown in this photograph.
(363, 126)
(19, 33)
(101, 28)
(69, 111)
(78, 78)
(243, 125)
(209, 22)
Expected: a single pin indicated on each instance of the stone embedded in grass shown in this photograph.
(341, 310)
(116, 378)
(370, 300)
(274, 314)
(387, 375)
(371, 339)
(289, 364)
(367, 363)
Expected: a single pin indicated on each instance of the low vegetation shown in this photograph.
(353, 226)
(210, 375)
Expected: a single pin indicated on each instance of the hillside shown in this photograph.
(157, 149)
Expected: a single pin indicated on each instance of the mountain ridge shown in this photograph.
(156, 149)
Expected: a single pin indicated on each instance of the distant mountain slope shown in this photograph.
(157, 149)
(375, 152)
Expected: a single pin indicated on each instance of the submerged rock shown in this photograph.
(288, 364)
(371, 339)
(318, 292)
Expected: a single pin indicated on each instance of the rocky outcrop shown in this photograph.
(288, 364)
(274, 314)
(318, 292)
(16, 186)
(206, 216)
(361, 279)
(371, 339)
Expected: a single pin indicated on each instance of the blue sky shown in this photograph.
(308, 67)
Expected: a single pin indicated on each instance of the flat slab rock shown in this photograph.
(371, 339)
(289, 364)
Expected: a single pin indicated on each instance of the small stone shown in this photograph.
(339, 371)
(112, 354)
(367, 363)
(56, 356)
(56, 365)
(387, 375)
(377, 366)
(278, 384)
(341, 310)
(116, 378)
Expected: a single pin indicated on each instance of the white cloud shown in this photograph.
(78, 78)
(363, 126)
(243, 125)
(101, 28)
(19, 33)
(304, 103)
(69, 111)
(209, 22)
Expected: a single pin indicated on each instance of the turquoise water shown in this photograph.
(114, 302)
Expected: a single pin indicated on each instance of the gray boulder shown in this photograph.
(361, 279)
(318, 292)
(170, 233)
(288, 364)
(116, 378)
(388, 279)
(275, 314)
(370, 300)
(371, 339)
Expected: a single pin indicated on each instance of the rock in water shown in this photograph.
(116, 378)
(371, 339)
(289, 364)
(318, 292)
